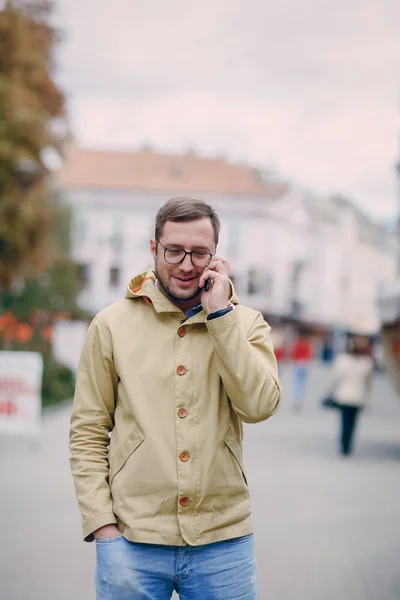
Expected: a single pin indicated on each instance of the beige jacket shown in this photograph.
(174, 393)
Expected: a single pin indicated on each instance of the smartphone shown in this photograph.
(206, 285)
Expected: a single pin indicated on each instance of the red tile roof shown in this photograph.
(153, 171)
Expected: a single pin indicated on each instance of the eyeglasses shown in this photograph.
(176, 256)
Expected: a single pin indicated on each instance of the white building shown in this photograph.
(292, 256)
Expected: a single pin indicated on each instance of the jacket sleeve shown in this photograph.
(247, 365)
(91, 421)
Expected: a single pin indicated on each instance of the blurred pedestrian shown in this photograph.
(352, 375)
(327, 350)
(301, 354)
(172, 371)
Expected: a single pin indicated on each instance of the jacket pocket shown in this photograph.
(236, 451)
(125, 450)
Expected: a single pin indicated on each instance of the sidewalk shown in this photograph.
(326, 527)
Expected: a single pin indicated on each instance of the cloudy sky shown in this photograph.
(310, 89)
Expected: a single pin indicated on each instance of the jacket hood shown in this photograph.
(142, 286)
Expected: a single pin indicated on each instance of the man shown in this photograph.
(172, 371)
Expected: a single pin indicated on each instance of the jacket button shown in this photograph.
(181, 370)
(182, 413)
(184, 456)
(184, 501)
(182, 331)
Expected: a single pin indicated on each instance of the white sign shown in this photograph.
(21, 376)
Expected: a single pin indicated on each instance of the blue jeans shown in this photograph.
(300, 376)
(220, 571)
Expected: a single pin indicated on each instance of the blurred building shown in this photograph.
(335, 261)
(295, 258)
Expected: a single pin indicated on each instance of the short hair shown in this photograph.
(184, 208)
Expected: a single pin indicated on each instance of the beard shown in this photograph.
(169, 292)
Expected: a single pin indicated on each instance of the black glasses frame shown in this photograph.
(184, 256)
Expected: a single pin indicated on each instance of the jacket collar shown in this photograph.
(142, 286)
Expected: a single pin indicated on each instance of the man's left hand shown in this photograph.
(217, 295)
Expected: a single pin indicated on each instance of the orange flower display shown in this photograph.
(23, 333)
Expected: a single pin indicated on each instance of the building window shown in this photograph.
(83, 275)
(233, 249)
(117, 238)
(116, 242)
(253, 283)
(234, 281)
(259, 282)
(81, 232)
(115, 277)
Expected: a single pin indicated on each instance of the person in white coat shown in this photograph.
(352, 373)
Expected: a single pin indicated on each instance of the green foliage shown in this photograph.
(55, 291)
(34, 227)
(29, 101)
(58, 382)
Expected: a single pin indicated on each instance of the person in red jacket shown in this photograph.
(302, 352)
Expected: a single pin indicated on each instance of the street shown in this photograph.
(326, 527)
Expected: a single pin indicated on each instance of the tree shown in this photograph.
(53, 293)
(29, 102)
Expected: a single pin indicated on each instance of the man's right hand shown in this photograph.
(107, 531)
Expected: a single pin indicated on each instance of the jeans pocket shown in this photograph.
(237, 540)
(110, 540)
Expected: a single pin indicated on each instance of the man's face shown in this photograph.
(181, 282)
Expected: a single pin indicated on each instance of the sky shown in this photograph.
(308, 91)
